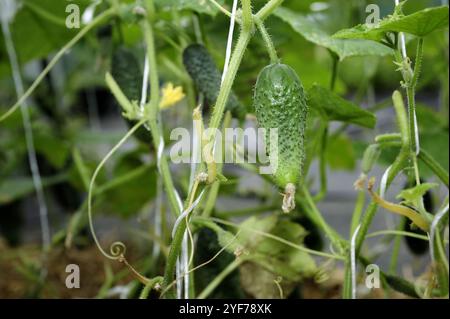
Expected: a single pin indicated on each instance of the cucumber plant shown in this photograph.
(269, 255)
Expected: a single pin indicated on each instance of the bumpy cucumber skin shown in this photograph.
(127, 72)
(207, 78)
(280, 102)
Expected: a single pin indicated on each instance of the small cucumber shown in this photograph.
(280, 102)
(207, 77)
(126, 70)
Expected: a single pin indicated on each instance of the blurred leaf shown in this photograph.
(133, 186)
(340, 153)
(200, 6)
(334, 108)
(429, 120)
(39, 28)
(420, 24)
(436, 144)
(47, 142)
(18, 187)
(308, 28)
(260, 283)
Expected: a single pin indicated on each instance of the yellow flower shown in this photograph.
(171, 95)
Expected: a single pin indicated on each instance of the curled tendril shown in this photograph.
(117, 250)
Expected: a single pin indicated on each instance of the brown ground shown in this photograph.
(17, 282)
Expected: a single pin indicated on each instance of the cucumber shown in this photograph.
(207, 77)
(280, 102)
(126, 70)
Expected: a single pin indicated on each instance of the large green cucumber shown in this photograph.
(280, 103)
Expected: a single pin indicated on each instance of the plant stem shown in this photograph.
(247, 16)
(357, 212)
(432, 164)
(334, 71)
(247, 211)
(268, 9)
(220, 277)
(323, 165)
(214, 190)
(316, 217)
(268, 41)
(153, 109)
(103, 16)
(396, 249)
(395, 169)
(224, 93)
(222, 9)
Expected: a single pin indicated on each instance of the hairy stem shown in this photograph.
(268, 41)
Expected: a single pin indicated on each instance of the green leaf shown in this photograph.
(401, 285)
(18, 187)
(306, 26)
(332, 107)
(133, 186)
(411, 195)
(200, 6)
(39, 28)
(46, 142)
(420, 24)
(340, 153)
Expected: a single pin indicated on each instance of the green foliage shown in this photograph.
(420, 24)
(200, 6)
(308, 28)
(39, 28)
(412, 196)
(332, 107)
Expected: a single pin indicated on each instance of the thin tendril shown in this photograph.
(117, 249)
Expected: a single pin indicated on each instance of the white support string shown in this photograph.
(88, 14)
(383, 183)
(186, 213)
(144, 84)
(230, 39)
(353, 260)
(7, 11)
(402, 37)
(433, 229)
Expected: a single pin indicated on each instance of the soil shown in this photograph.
(20, 269)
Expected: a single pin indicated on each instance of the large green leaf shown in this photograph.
(200, 6)
(420, 24)
(39, 28)
(332, 107)
(310, 29)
